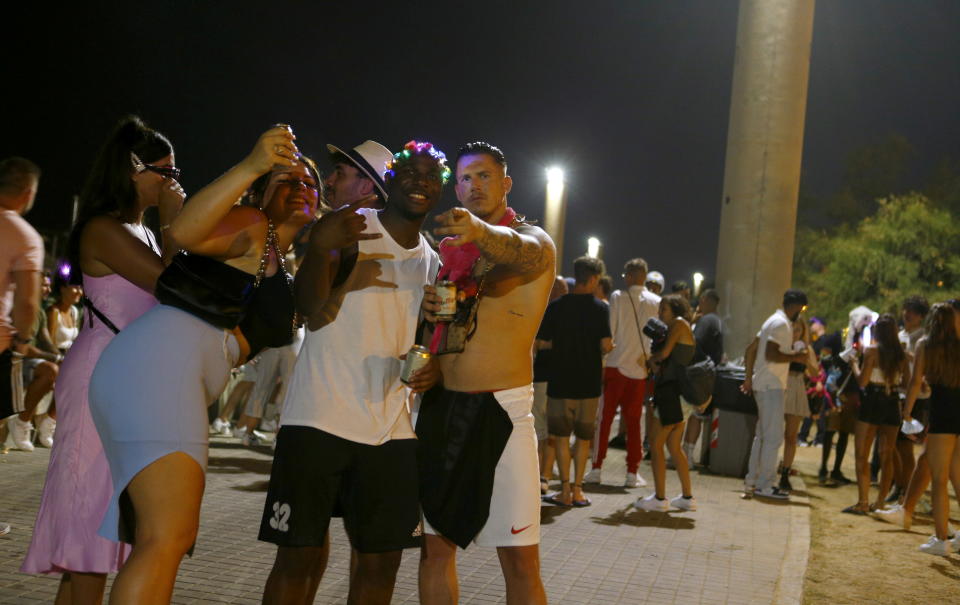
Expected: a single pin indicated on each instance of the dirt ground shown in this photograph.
(856, 559)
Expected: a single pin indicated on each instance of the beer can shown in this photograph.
(447, 291)
(417, 357)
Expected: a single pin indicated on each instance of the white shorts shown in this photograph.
(515, 503)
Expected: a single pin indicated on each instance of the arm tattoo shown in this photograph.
(504, 246)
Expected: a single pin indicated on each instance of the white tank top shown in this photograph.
(64, 336)
(347, 377)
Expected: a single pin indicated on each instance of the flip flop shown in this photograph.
(554, 499)
(581, 503)
(854, 509)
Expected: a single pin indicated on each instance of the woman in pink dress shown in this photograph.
(120, 260)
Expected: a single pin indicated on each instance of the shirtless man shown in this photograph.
(480, 484)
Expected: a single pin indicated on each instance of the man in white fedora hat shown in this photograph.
(357, 173)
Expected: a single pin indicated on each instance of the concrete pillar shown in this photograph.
(762, 174)
(555, 212)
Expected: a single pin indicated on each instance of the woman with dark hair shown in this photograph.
(669, 413)
(221, 303)
(118, 261)
(938, 360)
(884, 375)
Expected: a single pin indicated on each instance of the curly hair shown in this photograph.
(415, 149)
(679, 306)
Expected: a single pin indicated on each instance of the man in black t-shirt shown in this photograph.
(708, 332)
(576, 329)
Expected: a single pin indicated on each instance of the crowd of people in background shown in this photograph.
(295, 311)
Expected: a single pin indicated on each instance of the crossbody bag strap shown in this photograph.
(636, 319)
(103, 318)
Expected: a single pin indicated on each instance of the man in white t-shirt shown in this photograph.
(21, 261)
(346, 446)
(625, 380)
(773, 350)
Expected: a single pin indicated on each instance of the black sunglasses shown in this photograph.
(171, 172)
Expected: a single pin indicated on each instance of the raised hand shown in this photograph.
(343, 227)
(274, 147)
(460, 224)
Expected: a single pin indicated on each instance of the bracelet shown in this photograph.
(164, 227)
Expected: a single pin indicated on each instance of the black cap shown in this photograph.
(794, 297)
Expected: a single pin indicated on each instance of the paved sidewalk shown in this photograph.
(730, 551)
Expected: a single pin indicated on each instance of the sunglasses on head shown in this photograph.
(170, 172)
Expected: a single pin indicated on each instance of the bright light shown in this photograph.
(593, 247)
(554, 175)
(697, 280)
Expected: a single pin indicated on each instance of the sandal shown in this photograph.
(544, 486)
(856, 509)
(554, 497)
(581, 503)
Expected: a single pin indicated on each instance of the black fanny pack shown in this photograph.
(209, 289)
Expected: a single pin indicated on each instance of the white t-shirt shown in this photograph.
(347, 377)
(21, 249)
(909, 341)
(626, 324)
(773, 374)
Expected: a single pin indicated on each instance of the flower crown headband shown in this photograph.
(413, 148)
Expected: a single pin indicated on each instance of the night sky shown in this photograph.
(631, 98)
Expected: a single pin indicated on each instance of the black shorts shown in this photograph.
(666, 399)
(879, 407)
(944, 416)
(11, 384)
(317, 475)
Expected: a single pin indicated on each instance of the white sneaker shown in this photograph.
(684, 503)
(269, 426)
(217, 426)
(936, 546)
(593, 476)
(634, 480)
(254, 438)
(894, 514)
(650, 503)
(45, 431)
(20, 434)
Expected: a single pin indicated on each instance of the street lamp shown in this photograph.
(593, 247)
(697, 280)
(556, 209)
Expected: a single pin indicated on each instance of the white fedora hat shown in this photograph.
(370, 158)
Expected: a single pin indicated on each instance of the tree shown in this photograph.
(909, 246)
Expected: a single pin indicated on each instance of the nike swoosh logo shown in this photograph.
(517, 531)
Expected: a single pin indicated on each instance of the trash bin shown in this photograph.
(734, 424)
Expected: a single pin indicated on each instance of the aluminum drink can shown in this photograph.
(447, 291)
(417, 357)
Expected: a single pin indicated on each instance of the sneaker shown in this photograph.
(634, 480)
(218, 425)
(822, 475)
(748, 490)
(894, 495)
(785, 482)
(955, 543)
(924, 506)
(774, 493)
(894, 515)
(682, 503)
(840, 478)
(936, 546)
(593, 476)
(650, 503)
(20, 434)
(254, 438)
(45, 431)
(269, 426)
(4, 529)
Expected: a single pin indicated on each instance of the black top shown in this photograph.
(674, 367)
(268, 321)
(709, 336)
(541, 366)
(225, 297)
(575, 324)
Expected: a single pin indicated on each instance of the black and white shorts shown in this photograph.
(317, 475)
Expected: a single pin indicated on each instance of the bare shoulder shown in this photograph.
(242, 218)
(537, 233)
